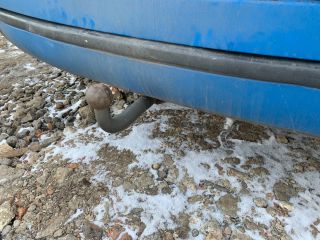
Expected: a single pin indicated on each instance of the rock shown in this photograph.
(237, 235)
(259, 171)
(232, 160)
(194, 232)
(12, 141)
(162, 174)
(125, 236)
(54, 138)
(35, 147)
(52, 226)
(87, 115)
(256, 160)
(212, 230)
(59, 106)
(115, 231)
(250, 224)
(92, 231)
(43, 178)
(36, 103)
(7, 151)
(156, 166)
(282, 139)
(214, 235)
(27, 118)
(6, 161)
(284, 191)
(6, 230)
(62, 174)
(20, 112)
(21, 144)
(67, 237)
(228, 204)
(37, 124)
(285, 206)
(58, 233)
(22, 133)
(6, 214)
(8, 174)
(16, 223)
(238, 174)
(21, 212)
(3, 136)
(260, 202)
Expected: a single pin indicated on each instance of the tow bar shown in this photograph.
(99, 97)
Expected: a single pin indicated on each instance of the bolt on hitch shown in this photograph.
(99, 97)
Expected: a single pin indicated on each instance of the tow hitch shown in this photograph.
(99, 97)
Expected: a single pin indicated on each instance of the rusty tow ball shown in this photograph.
(99, 97)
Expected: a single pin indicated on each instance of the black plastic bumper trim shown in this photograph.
(270, 69)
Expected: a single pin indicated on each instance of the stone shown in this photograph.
(259, 171)
(22, 133)
(3, 136)
(54, 138)
(87, 114)
(52, 226)
(285, 206)
(238, 174)
(214, 235)
(232, 160)
(212, 230)
(6, 214)
(284, 191)
(125, 236)
(6, 230)
(62, 174)
(256, 160)
(21, 144)
(16, 223)
(6, 161)
(35, 147)
(228, 204)
(20, 113)
(58, 233)
(59, 106)
(237, 235)
(8, 174)
(260, 202)
(282, 139)
(156, 166)
(92, 231)
(7, 151)
(67, 237)
(12, 141)
(194, 233)
(36, 103)
(27, 118)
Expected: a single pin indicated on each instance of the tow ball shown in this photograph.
(99, 97)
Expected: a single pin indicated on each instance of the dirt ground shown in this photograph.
(177, 173)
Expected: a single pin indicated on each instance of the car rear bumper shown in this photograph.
(272, 91)
(278, 70)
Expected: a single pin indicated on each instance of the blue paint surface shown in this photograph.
(285, 28)
(280, 105)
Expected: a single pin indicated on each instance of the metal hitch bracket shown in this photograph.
(99, 97)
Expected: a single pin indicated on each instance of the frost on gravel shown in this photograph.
(82, 146)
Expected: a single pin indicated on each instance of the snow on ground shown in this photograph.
(158, 209)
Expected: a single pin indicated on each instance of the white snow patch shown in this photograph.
(74, 216)
(29, 67)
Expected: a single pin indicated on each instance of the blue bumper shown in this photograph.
(275, 104)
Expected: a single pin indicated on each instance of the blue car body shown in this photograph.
(270, 31)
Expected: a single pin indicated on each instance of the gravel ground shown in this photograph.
(176, 173)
